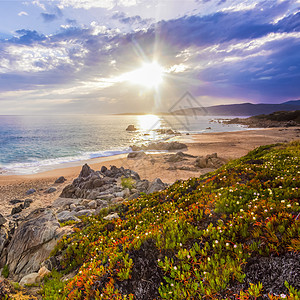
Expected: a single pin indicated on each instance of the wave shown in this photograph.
(36, 166)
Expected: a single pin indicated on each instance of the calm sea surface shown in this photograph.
(29, 144)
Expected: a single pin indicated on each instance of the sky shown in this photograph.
(106, 56)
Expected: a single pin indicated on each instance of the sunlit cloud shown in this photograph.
(22, 13)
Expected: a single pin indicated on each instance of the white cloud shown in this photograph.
(40, 58)
(87, 4)
(22, 13)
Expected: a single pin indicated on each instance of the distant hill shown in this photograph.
(276, 119)
(243, 109)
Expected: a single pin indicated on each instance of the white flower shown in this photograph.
(234, 246)
(227, 244)
(289, 205)
(237, 202)
(254, 218)
(283, 295)
(282, 201)
(216, 241)
(175, 268)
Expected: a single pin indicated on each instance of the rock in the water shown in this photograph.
(131, 128)
(111, 217)
(2, 220)
(30, 191)
(31, 278)
(33, 241)
(155, 186)
(50, 190)
(61, 179)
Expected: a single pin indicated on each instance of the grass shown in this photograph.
(195, 240)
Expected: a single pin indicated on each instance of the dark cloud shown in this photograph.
(27, 37)
(49, 17)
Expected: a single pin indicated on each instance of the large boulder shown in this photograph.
(33, 241)
(155, 186)
(210, 161)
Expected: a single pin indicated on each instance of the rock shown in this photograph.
(80, 207)
(134, 196)
(15, 201)
(131, 128)
(43, 271)
(101, 203)
(106, 197)
(61, 179)
(117, 200)
(201, 162)
(85, 202)
(63, 202)
(111, 217)
(98, 183)
(93, 195)
(32, 242)
(92, 204)
(86, 171)
(27, 203)
(136, 155)
(65, 216)
(16, 209)
(126, 192)
(85, 212)
(160, 146)
(30, 191)
(155, 186)
(72, 206)
(119, 194)
(2, 220)
(50, 190)
(31, 278)
(4, 236)
(210, 161)
(103, 169)
(142, 185)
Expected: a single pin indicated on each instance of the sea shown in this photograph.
(33, 144)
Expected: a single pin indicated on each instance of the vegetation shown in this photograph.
(211, 237)
(128, 182)
(5, 271)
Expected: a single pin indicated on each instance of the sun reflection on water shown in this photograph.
(148, 123)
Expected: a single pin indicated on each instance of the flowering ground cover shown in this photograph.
(230, 234)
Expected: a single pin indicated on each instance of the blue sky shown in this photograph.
(72, 56)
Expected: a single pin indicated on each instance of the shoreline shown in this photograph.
(228, 146)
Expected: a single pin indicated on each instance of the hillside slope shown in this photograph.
(231, 234)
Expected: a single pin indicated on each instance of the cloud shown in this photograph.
(49, 17)
(233, 54)
(88, 4)
(22, 13)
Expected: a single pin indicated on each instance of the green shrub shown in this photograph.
(128, 183)
(5, 271)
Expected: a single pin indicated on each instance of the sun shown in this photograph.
(149, 75)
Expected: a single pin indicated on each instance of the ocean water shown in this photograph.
(31, 144)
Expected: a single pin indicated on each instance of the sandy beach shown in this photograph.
(227, 145)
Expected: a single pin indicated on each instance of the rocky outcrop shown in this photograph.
(61, 179)
(209, 161)
(172, 146)
(136, 155)
(91, 184)
(33, 241)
